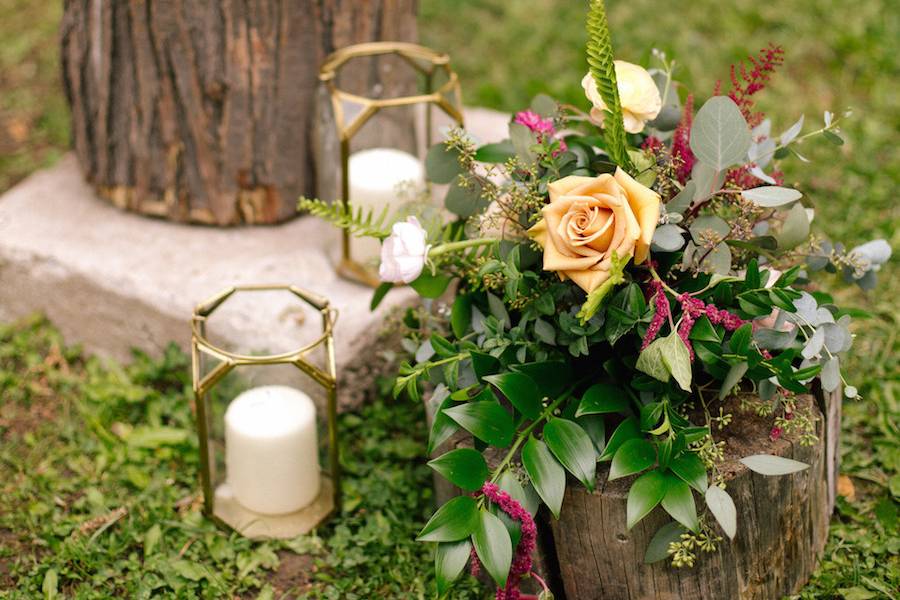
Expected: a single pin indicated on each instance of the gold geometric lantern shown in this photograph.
(272, 485)
(351, 111)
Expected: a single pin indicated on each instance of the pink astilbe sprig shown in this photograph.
(747, 81)
(681, 142)
(663, 310)
(521, 562)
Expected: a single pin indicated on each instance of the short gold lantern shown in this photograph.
(260, 457)
(360, 81)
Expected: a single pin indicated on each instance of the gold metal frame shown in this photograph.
(231, 514)
(426, 62)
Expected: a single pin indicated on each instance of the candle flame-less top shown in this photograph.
(382, 170)
(270, 411)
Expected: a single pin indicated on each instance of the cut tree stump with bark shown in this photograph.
(781, 533)
(202, 110)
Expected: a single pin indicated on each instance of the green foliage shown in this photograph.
(720, 136)
(355, 219)
(600, 59)
(99, 491)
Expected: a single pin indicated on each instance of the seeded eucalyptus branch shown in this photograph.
(603, 70)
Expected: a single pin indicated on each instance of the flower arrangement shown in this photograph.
(614, 275)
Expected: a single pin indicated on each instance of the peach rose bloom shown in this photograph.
(589, 218)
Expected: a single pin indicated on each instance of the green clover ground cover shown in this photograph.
(99, 493)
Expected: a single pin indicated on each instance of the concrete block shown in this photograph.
(113, 280)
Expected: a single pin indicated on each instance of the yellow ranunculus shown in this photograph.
(589, 218)
(638, 96)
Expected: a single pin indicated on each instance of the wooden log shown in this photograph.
(782, 526)
(202, 110)
(783, 521)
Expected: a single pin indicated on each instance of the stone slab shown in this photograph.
(113, 280)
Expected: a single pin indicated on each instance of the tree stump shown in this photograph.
(588, 554)
(201, 110)
(782, 526)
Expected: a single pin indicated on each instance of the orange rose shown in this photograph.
(589, 218)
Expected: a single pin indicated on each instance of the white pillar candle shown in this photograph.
(271, 449)
(382, 177)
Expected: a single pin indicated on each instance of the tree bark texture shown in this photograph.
(781, 533)
(202, 110)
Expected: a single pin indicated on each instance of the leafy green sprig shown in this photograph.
(600, 59)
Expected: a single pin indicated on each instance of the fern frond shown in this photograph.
(603, 70)
(356, 220)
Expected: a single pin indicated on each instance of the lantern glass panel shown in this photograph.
(377, 114)
(265, 413)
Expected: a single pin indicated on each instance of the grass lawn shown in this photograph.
(95, 502)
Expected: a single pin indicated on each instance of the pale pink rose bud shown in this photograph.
(403, 252)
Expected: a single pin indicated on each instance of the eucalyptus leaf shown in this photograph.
(707, 180)
(795, 229)
(757, 172)
(709, 226)
(722, 507)
(774, 339)
(768, 464)
(499, 152)
(682, 199)
(442, 163)
(814, 346)
(771, 196)
(498, 310)
(544, 105)
(668, 238)
(720, 135)
(718, 261)
(837, 337)
(831, 374)
(522, 140)
(793, 131)
(465, 198)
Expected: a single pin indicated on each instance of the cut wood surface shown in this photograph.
(202, 110)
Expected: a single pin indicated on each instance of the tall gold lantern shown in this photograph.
(350, 111)
(211, 364)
